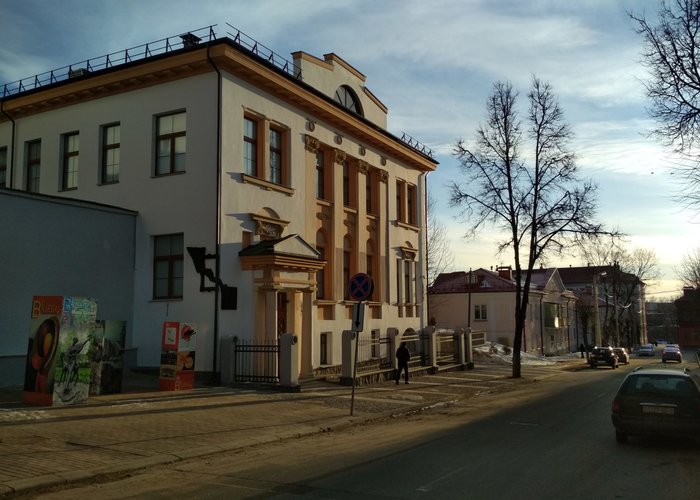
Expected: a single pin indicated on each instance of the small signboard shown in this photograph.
(361, 287)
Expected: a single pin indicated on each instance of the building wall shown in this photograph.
(60, 247)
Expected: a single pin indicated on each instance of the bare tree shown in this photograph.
(440, 258)
(672, 55)
(689, 270)
(537, 201)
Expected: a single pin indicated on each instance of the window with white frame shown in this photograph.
(480, 312)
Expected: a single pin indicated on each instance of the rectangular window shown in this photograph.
(71, 152)
(480, 312)
(407, 281)
(411, 205)
(172, 144)
(370, 190)
(399, 298)
(275, 156)
(33, 166)
(375, 342)
(346, 273)
(325, 348)
(168, 266)
(320, 175)
(250, 147)
(400, 196)
(111, 153)
(552, 314)
(3, 167)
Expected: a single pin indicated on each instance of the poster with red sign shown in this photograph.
(177, 356)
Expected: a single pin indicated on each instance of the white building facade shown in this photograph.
(280, 176)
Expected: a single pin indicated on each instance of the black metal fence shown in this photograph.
(256, 361)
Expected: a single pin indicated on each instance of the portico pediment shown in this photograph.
(290, 253)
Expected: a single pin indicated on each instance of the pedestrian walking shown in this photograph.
(581, 348)
(403, 356)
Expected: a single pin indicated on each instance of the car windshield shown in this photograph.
(667, 385)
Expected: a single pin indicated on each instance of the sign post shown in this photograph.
(360, 288)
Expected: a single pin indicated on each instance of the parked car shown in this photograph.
(602, 356)
(646, 350)
(622, 355)
(671, 353)
(657, 402)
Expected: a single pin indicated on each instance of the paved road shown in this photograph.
(43, 447)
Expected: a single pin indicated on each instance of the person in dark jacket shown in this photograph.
(403, 356)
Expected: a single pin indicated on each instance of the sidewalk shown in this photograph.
(142, 427)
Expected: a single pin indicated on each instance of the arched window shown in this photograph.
(348, 99)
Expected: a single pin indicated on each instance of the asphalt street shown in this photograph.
(142, 426)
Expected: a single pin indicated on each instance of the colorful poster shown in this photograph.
(72, 383)
(58, 363)
(106, 361)
(44, 330)
(177, 356)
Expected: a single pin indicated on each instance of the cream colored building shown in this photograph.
(484, 300)
(280, 174)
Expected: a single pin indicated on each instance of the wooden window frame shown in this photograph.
(172, 139)
(109, 172)
(265, 151)
(171, 259)
(70, 161)
(33, 166)
(411, 204)
(400, 200)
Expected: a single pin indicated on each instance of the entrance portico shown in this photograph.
(285, 283)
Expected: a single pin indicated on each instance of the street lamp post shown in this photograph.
(596, 311)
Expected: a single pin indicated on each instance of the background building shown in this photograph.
(484, 300)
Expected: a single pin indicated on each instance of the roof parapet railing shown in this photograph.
(415, 144)
(144, 51)
(251, 45)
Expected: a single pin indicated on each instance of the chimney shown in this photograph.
(190, 40)
(505, 272)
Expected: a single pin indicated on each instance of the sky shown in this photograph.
(433, 64)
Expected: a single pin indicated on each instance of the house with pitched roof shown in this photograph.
(484, 300)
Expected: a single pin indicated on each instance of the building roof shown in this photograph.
(174, 57)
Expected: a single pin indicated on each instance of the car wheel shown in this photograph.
(620, 437)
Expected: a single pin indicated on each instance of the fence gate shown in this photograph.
(256, 361)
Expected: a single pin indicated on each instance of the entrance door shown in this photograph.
(281, 313)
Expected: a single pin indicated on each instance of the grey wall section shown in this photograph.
(58, 246)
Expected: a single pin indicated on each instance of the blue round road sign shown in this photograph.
(361, 286)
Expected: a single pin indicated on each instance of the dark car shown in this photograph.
(622, 355)
(646, 350)
(657, 402)
(602, 356)
(671, 353)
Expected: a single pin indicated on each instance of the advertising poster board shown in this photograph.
(44, 329)
(107, 352)
(177, 356)
(58, 359)
(72, 383)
